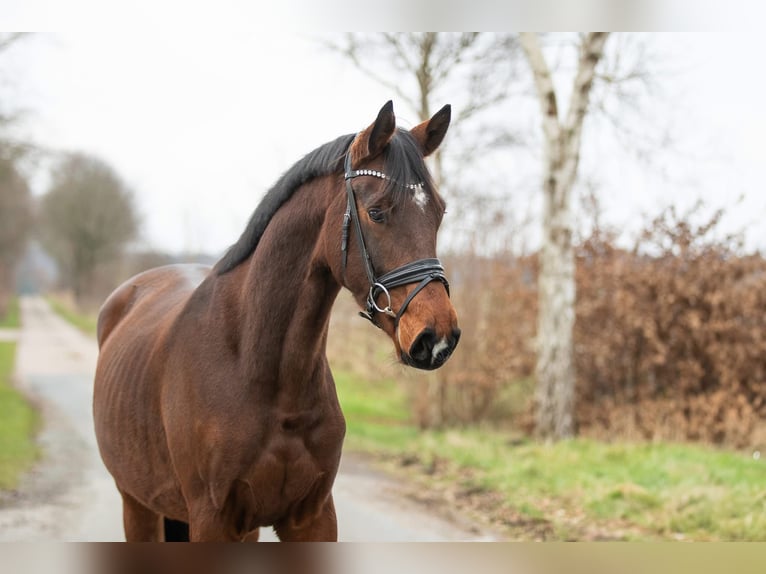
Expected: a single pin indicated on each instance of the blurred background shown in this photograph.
(603, 240)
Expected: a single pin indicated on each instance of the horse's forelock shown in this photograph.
(404, 164)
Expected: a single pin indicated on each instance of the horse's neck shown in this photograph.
(286, 299)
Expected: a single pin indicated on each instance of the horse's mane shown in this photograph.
(402, 161)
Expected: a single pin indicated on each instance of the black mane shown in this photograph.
(402, 161)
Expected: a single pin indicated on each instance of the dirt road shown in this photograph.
(69, 496)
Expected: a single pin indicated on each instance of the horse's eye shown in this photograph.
(377, 215)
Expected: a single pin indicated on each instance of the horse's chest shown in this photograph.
(286, 468)
(282, 479)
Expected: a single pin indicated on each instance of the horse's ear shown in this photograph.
(371, 141)
(431, 133)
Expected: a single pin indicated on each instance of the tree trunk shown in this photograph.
(555, 372)
(556, 292)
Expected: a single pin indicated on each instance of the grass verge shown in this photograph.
(83, 321)
(578, 489)
(18, 424)
(11, 319)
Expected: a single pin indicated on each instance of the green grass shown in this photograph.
(83, 321)
(18, 424)
(11, 319)
(376, 414)
(580, 488)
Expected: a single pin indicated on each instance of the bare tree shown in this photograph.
(15, 197)
(15, 225)
(87, 218)
(562, 140)
(420, 67)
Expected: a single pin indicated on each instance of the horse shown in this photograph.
(214, 406)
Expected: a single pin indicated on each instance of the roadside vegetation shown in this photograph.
(18, 420)
(571, 490)
(11, 318)
(86, 322)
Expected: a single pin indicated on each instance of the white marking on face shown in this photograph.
(420, 198)
(438, 348)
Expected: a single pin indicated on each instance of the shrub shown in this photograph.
(671, 337)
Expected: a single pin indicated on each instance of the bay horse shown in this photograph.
(215, 409)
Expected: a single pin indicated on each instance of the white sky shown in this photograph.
(200, 124)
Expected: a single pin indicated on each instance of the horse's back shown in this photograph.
(162, 290)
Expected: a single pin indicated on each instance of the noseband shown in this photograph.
(422, 271)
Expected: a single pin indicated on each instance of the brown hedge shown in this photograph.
(671, 337)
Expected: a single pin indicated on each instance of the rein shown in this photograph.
(422, 271)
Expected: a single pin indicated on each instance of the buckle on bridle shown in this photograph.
(372, 303)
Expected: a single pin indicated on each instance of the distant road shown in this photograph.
(70, 496)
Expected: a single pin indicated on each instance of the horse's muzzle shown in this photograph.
(429, 352)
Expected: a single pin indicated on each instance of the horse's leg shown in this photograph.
(324, 528)
(208, 524)
(141, 524)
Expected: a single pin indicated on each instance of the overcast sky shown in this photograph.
(201, 124)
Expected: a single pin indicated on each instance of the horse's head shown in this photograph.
(388, 253)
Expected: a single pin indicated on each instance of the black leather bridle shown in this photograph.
(422, 271)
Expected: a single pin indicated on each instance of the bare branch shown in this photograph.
(403, 54)
(479, 105)
(591, 52)
(7, 40)
(351, 51)
(543, 84)
(451, 55)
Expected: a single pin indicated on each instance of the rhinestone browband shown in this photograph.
(381, 175)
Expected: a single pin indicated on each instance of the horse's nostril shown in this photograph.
(423, 346)
(429, 351)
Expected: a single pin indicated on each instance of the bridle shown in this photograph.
(422, 271)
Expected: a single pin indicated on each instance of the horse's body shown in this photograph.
(214, 403)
